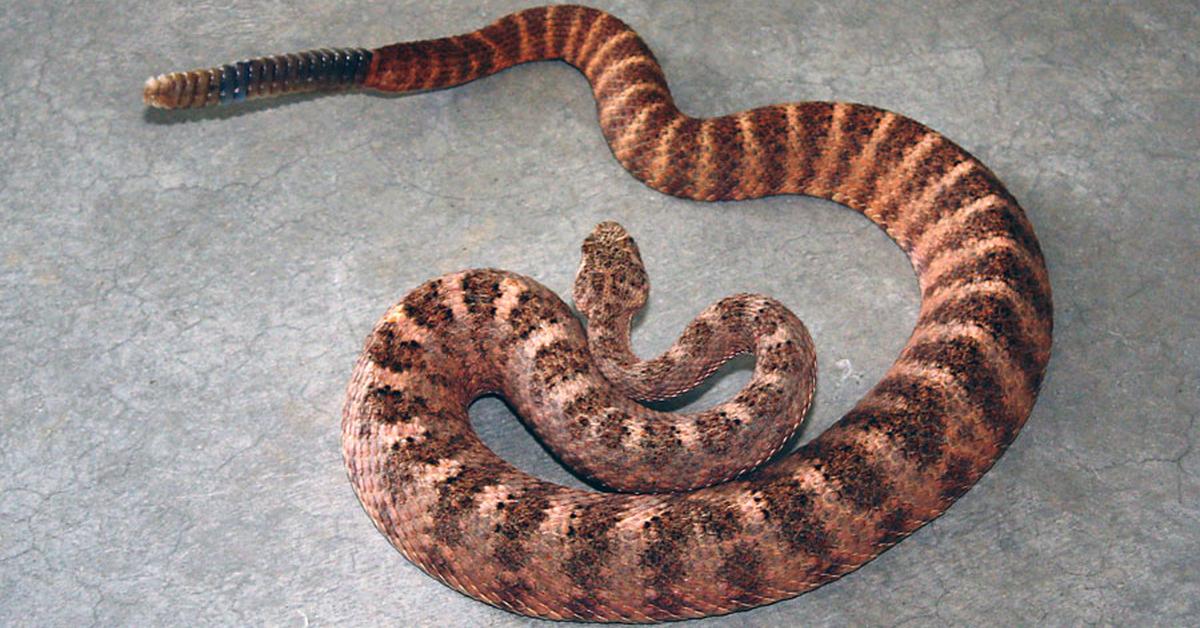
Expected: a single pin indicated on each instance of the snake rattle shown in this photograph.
(700, 528)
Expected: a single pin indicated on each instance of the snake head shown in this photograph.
(611, 277)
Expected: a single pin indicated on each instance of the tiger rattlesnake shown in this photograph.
(955, 398)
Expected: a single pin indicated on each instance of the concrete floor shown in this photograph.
(183, 295)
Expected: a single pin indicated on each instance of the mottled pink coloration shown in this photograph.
(942, 415)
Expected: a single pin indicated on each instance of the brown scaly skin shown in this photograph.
(953, 401)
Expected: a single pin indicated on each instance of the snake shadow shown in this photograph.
(169, 117)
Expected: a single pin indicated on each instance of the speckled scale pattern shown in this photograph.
(955, 398)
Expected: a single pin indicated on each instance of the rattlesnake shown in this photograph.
(960, 390)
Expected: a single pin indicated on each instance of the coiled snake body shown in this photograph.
(945, 411)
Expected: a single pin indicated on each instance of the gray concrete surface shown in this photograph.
(182, 296)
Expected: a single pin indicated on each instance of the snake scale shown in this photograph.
(960, 390)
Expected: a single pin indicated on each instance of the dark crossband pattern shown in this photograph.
(944, 413)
